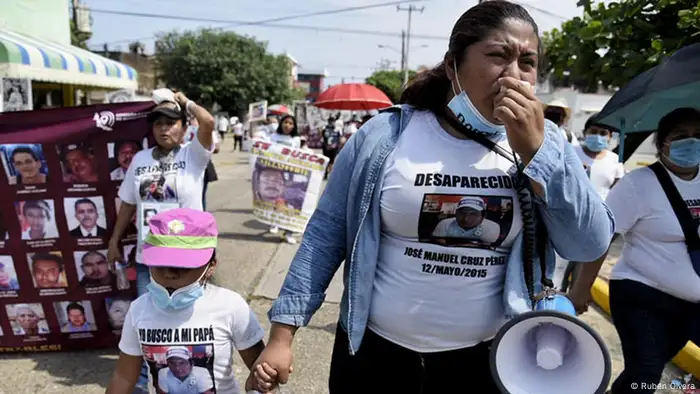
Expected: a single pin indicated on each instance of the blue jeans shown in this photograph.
(143, 277)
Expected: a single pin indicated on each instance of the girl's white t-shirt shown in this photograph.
(287, 140)
(654, 251)
(208, 332)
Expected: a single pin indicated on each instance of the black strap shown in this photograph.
(680, 208)
(479, 137)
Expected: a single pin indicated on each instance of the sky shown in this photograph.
(346, 57)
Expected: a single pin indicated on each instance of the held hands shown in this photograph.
(521, 113)
(273, 366)
(581, 298)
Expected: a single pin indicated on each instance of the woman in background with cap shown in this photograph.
(167, 173)
(410, 320)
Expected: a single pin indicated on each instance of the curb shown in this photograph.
(688, 359)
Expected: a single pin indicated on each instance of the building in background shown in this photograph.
(38, 65)
(294, 69)
(137, 59)
(312, 82)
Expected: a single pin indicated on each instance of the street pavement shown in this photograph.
(254, 264)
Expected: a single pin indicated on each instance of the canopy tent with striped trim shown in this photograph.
(26, 57)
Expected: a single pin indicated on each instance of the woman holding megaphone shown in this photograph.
(435, 222)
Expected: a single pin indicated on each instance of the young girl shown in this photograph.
(185, 328)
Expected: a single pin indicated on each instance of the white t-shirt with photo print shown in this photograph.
(654, 251)
(437, 288)
(219, 322)
(183, 181)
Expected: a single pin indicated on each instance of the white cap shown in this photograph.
(475, 203)
(179, 352)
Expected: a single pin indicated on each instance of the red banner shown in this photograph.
(58, 203)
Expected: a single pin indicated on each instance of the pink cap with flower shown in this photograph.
(180, 238)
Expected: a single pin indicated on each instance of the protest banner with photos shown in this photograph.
(286, 184)
(58, 197)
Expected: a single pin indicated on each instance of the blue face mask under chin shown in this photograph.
(180, 299)
(596, 143)
(684, 153)
(467, 114)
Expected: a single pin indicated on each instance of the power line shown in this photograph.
(266, 22)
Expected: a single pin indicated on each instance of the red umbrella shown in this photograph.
(352, 97)
(278, 109)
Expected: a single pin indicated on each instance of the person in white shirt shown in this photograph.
(237, 128)
(558, 111)
(183, 319)
(286, 134)
(603, 168)
(168, 173)
(655, 285)
(222, 126)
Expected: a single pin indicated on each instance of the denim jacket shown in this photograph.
(346, 226)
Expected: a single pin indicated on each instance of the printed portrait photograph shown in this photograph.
(8, 274)
(172, 365)
(78, 163)
(148, 214)
(465, 220)
(92, 269)
(131, 228)
(280, 188)
(120, 154)
(48, 270)
(4, 233)
(24, 164)
(16, 95)
(85, 216)
(75, 316)
(257, 111)
(27, 319)
(37, 219)
(116, 311)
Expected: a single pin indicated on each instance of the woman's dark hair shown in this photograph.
(429, 89)
(294, 132)
(672, 120)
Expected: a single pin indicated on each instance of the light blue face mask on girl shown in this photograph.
(596, 143)
(468, 115)
(180, 299)
(685, 153)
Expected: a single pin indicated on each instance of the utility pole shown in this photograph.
(411, 8)
(403, 53)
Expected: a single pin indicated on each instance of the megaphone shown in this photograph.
(550, 351)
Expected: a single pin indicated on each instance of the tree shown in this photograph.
(78, 38)
(612, 44)
(137, 47)
(219, 66)
(389, 82)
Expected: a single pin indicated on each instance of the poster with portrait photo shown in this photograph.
(48, 270)
(93, 270)
(257, 111)
(16, 95)
(470, 221)
(78, 163)
(85, 216)
(145, 211)
(275, 184)
(9, 282)
(75, 316)
(131, 230)
(25, 164)
(27, 319)
(116, 311)
(120, 154)
(171, 365)
(37, 219)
